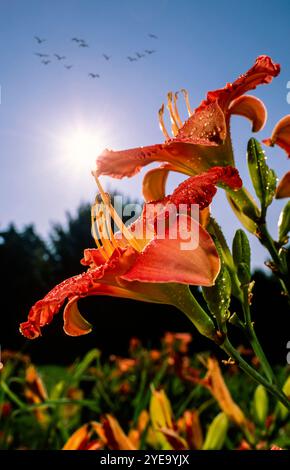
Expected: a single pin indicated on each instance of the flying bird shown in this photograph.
(77, 40)
(45, 62)
(83, 44)
(139, 55)
(94, 75)
(68, 66)
(131, 59)
(153, 36)
(41, 55)
(148, 51)
(107, 57)
(59, 57)
(39, 40)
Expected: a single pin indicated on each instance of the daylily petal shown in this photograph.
(43, 311)
(201, 189)
(204, 217)
(263, 71)
(116, 438)
(74, 323)
(208, 124)
(185, 158)
(283, 188)
(79, 286)
(78, 439)
(199, 266)
(202, 141)
(154, 183)
(281, 135)
(252, 108)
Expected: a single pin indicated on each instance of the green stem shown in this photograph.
(12, 395)
(232, 352)
(254, 341)
(269, 244)
(201, 320)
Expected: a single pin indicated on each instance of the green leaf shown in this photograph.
(216, 433)
(284, 224)
(263, 178)
(261, 404)
(218, 297)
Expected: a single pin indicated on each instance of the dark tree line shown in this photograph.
(31, 267)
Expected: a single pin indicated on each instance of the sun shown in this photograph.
(80, 147)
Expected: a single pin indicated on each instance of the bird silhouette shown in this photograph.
(83, 44)
(107, 57)
(41, 55)
(149, 51)
(139, 55)
(131, 59)
(45, 62)
(39, 40)
(59, 57)
(153, 36)
(77, 40)
(68, 66)
(94, 75)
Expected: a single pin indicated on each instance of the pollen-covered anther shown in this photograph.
(186, 98)
(174, 122)
(110, 211)
(161, 123)
(175, 98)
(100, 231)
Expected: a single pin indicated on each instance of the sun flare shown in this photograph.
(80, 147)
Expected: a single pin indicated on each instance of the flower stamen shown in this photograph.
(96, 220)
(176, 112)
(174, 127)
(161, 123)
(186, 98)
(117, 219)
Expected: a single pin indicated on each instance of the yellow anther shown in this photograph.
(94, 217)
(116, 218)
(173, 119)
(175, 98)
(161, 122)
(185, 94)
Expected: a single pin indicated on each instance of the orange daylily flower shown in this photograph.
(215, 383)
(88, 437)
(131, 267)
(35, 392)
(200, 143)
(283, 188)
(281, 136)
(95, 436)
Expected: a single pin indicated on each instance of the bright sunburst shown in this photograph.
(80, 147)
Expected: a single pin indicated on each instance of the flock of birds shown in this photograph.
(47, 58)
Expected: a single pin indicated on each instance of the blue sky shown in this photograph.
(200, 46)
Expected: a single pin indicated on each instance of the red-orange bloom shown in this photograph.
(281, 136)
(133, 267)
(203, 141)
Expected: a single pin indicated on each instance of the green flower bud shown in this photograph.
(216, 433)
(260, 405)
